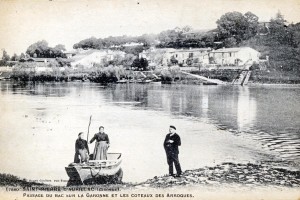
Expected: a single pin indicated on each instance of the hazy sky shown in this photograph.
(69, 21)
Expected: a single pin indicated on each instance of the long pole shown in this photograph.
(89, 128)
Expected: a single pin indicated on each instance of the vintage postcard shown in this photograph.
(160, 99)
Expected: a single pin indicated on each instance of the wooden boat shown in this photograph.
(96, 171)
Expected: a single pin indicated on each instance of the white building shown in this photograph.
(186, 57)
(234, 56)
(183, 57)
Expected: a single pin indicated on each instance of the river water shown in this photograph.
(40, 123)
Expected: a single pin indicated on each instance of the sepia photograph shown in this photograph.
(140, 99)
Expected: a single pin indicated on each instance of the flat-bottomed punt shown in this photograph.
(96, 171)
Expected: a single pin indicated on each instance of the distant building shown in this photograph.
(186, 57)
(71, 53)
(182, 57)
(40, 60)
(234, 56)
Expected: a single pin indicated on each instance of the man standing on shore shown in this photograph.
(171, 144)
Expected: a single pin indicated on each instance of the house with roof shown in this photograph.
(234, 57)
(182, 57)
(71, 53)
(185, 57)
(39, 60)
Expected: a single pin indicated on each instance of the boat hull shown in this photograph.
(95, 172)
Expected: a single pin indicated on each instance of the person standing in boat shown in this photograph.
(101, 145)
(81, 149)
(171, 143)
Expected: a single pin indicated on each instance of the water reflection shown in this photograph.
(137, 117)
(246, 109)
(251, 111)
(39, 89)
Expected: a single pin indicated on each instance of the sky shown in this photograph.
(24, 22)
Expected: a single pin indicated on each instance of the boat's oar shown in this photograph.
(89, 129)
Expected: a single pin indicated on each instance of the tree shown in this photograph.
(39, 48)
(233, 24)
(186, 29)
(140, 64)
(60, 47)
(144, 64)
(5, 58)
(15, 57)
(230, 42)
(252, 21)
(22, 56)
(278, 29)
(128, 60)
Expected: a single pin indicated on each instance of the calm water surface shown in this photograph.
(40, 123)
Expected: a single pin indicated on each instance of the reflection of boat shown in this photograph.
(96, 171)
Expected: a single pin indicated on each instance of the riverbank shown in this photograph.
(257, 76)
(113, 74)
(224, 181)
(250, 175)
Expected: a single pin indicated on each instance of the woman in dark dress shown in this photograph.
(81, 149)
(101, 145)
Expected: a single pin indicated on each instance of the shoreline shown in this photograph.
(176, 82)
(228, 173)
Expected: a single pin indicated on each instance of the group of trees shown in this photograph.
(41, 49)
(279, 40)
(234, 27)
(140, 64)
(117, 42)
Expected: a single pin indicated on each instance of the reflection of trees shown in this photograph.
(51, 89)
(227, 106)
(131, 92)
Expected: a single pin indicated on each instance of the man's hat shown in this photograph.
(173, 127)
(80, 133)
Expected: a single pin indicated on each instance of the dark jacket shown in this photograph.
(172, 147)
(81, 144)
(100, 137)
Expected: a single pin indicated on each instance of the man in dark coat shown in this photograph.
(171, 144)
(81, 149)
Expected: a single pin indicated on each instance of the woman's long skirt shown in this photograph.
(100, 151)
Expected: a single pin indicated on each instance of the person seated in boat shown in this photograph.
(81, 149)
(101, 145)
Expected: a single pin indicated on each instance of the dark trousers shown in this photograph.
(81, 156)
(173, 158)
